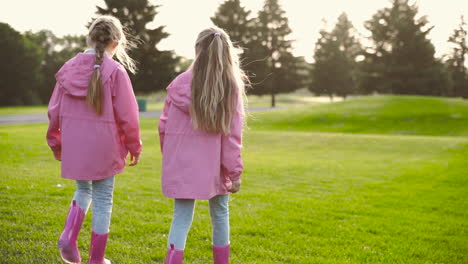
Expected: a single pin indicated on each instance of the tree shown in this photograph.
(156, 68)
(401, 57)
(335, 68)
(20, 70)
(56, 52)
(275, 66)
(234, 19)
(457, 59)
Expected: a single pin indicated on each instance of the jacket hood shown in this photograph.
(179, 91)
(75, 74)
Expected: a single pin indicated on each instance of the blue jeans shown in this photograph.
(101, 194)
(183, 216)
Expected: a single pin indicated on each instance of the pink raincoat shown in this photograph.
(196, 164)
(93, 147)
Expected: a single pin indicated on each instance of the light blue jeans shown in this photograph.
(101, 194)
(183, 216)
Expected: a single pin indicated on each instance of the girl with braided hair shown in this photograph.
(93, 125)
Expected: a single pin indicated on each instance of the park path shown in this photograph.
(42, 118)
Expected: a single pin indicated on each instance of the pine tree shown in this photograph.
(276, 67)
(335, 68)
(457, 60)
(401, 58)
(234, 19)
(156, 68)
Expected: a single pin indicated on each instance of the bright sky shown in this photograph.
(185, 18)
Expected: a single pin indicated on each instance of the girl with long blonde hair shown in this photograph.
(93, 125)
(201, 138)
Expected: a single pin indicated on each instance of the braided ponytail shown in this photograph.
(94, 97)
(104, 31)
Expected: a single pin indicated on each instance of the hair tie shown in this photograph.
(217, 34)
(97, 66)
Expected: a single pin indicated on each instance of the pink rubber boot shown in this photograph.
(174, 256)
(67, 241)
(221, 254)
(98, 248)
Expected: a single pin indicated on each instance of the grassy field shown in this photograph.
(410, 115)
(391, 191)
(297, 98)
(155, 102)
(17, 110)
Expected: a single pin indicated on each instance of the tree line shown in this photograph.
(397, 58)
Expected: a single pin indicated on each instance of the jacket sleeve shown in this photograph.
(54, 139)
(163, 122)
(231, 145)
(126, 112)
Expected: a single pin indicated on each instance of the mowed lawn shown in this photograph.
(394, 190)
(155, 102)
(397, 115)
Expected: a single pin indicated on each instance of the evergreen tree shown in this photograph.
(457, 60)
(20, 70)
(335, 68)
(325, 74)
(401, 58)
(276, 69)
(156, 68)
(234, 19)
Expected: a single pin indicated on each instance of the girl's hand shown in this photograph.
(134, 160)
(235, 187)
(58, 154)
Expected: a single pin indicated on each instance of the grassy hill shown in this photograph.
(406, 115)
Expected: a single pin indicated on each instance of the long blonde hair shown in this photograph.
(218, 83)
(104, 31)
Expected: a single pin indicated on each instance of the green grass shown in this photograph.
(300, 97)
(307, 196)
(409, 115)
(155, 102)
(16, 110)
(297, 98)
